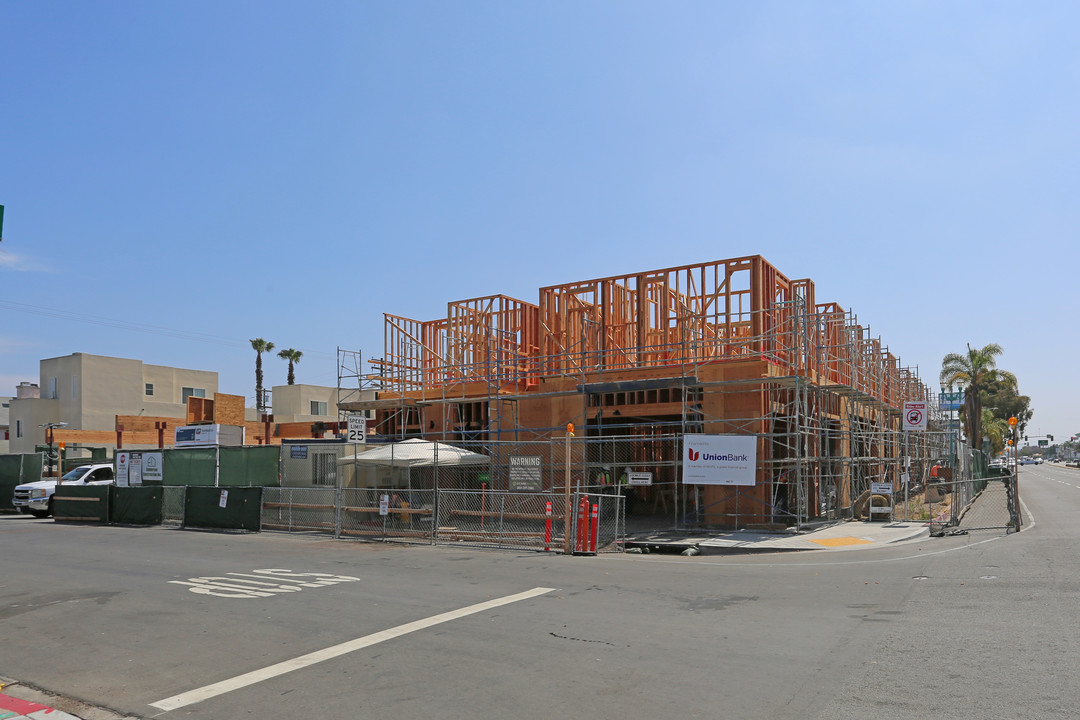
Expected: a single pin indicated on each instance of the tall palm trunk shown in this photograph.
(259, 383)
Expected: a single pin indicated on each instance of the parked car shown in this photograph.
(36, 498)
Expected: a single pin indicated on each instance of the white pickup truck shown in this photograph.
(36, 498)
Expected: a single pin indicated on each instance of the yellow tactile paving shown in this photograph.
(841, 541)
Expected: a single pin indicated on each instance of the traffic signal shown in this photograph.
(1051, 438)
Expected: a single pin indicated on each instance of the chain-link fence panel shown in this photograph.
(977, 504)
(526, 521)
(300, 510)
(531, 521)
(172, 505)
(598, 523)
(409, 514)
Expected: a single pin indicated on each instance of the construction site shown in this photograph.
(635, 363)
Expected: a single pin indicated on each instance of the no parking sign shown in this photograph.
(915, 415)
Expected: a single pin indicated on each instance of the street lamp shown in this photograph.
(49, 427)
(953, 399)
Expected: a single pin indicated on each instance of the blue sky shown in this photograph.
(182, 177)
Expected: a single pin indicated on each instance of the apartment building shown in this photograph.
(87, 392)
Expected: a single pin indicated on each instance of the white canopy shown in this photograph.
(417, 453)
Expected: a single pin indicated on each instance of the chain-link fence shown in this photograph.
(172, 505)
(831, 476)
(301, 510)
(973, 503)
(481, 518)
(409, 516)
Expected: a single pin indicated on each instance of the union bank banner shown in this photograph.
(719, 460)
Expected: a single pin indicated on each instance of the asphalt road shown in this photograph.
(974, 626)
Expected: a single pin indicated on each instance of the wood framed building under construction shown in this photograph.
(726, 347)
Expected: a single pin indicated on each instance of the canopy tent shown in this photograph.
(417, 453)
(393, 464)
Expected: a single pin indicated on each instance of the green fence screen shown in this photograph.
(136, 505)
(16, 470)
(236, 508)
(249, 466)
(87, 503)
(222, 467)
(190, 466)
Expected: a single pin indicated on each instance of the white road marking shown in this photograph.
(220, 688)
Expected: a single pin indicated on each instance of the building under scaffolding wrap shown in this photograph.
(637, 361)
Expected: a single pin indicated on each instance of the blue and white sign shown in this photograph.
(298, 452)
(951, 400)
(719, 460)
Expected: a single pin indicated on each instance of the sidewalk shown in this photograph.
(21, 702)
(856, 535)
(15, 709)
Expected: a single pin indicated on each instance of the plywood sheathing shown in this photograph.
(228, 409)
(200, 410)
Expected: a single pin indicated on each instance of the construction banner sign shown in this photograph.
(719, 460)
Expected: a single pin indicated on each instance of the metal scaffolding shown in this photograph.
(639, 360)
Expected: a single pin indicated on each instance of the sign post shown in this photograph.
(566, 492)
(915, 417)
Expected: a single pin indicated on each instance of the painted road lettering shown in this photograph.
(260, 583)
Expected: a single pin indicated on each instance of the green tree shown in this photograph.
(260, 346)
(997, 429)
(293, 356)
(975, 370)
(1002, 398)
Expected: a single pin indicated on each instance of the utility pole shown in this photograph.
(566, 492)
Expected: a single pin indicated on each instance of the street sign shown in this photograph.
(639, 478)
(951, 400)
(357, 429)
(915, 415)
(1044, 443)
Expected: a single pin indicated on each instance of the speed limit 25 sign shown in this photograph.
(357, 429)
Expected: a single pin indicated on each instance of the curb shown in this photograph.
(19, 700)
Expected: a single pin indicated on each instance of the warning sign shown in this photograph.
(915, 415)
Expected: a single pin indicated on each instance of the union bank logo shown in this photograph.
(717, 457)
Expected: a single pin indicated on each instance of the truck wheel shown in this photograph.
(43, 513)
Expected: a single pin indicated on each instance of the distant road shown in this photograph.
(168, 623)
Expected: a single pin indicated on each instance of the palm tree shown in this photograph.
(260, 346)
(293, 356)
(997, 429)
(976, 370)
